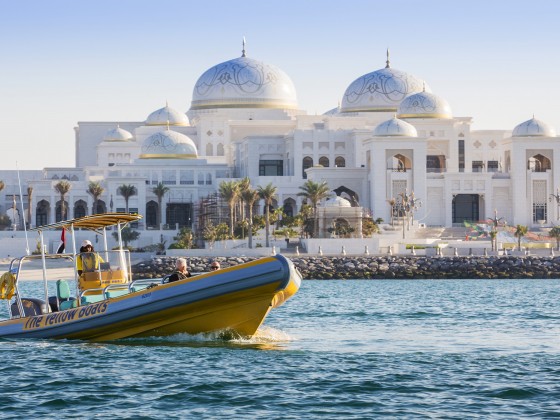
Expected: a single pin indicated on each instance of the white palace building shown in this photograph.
(389, 135)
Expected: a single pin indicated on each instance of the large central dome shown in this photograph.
(381, 91)
(244, 83)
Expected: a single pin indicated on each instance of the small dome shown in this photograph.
(424, 105)
(167, 115)
(395, 128)
(381, 90)
(117, 134)
(244, 83)
(337, 202)
(533, 128)
(168, 145)
(334, 111)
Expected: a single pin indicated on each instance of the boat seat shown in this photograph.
(65, 301)
(138, 287)
(31, 307)
(93, 297)
(142, 284)
(112, 293)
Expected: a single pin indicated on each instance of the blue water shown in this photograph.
(338, 350)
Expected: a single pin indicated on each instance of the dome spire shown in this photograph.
(388, 65)
(243, 50)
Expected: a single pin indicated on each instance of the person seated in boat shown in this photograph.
(215, 265)
(88, 260)
(180, 272)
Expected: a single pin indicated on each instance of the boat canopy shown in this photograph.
(94, 222)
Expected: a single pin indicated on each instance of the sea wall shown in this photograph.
(383, 267)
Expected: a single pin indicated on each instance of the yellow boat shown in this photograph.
(106, 304)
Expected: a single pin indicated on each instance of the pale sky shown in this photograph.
(65, 61)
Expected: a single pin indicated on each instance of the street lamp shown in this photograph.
(409, 205)
(494, 233)
(404, 203)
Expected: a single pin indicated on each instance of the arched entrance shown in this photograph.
(151, 214)
(465, 208)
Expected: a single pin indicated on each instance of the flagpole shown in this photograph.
(23, 211)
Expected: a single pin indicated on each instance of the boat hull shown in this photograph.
(235, 299)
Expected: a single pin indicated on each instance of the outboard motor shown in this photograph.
(31, 307)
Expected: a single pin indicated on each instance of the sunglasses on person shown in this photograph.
(214, 267)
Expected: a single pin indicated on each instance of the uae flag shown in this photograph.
(62, 245)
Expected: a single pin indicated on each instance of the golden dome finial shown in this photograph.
(388, 65)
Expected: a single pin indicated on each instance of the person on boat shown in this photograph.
(88, 260)
(180, 272)
(215, 265)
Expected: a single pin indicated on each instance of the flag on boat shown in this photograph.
(62, 245)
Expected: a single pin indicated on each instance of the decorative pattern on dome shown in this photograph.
(381, 90)
(533, 128)
(168, 145)
(117, 134)
(424, 105)
(244, 83)
(395, 128)
(167, 115)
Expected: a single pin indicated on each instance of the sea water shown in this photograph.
(451, 349)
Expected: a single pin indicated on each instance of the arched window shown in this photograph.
(340, 162)
(538, 163)
(101, 207)
(324, 161)
(209, 150)
(307, 163)
(58, 215)
(42, 213)
(80, 208)
(220, 151)
(289, 207)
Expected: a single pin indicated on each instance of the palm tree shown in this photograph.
(62, 187)
(392, 203)
(520, 232)
(160, 191)
(29, 202)
(229, 192)
(493, 235)
(314, 192)
(250, 196)
(555, 233)
(95, 190)
(127, 191)
(268, 194)
(244, 184)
